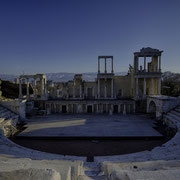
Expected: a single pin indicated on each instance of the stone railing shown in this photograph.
(17, 106)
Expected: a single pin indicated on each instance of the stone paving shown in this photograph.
(90, 126)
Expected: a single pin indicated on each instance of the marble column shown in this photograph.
(112, 88)
(105, 89)
(106, 108)
(124, 110)
(35, 90)
(86, 108)
(27, 87)
(159, 86)
(60, 106)
(45, 87)
(144, 87)
(67, 108)
(97, 106)
(74, 90)
(112, 71)
(152, 86)
(98, 88)
(42, 87)
(119, 108)
(80, 91)
(134, 108)
(98, 65)
(20, 88)
(137, 88)
(159, 63)
(112, 108)
(92, 108)
(144, 63)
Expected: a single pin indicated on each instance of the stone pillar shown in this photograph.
(105, 89)
(98, 65)
(119, 108)
(20, 88)
(106, 108)
(55, 109)
(152, 86)
(105, 66)
(101, 108)
(35, 90)
(60, 106)
(144, 63)
(137, 88)
(112, 71)
(93, 92)
(97, 106)
(159, 63)
(92, 108)
(45, 87)
(112, 108)
(98, 88)
(27, 87)
(67, 108)
(80, 91)
(74, 90)
(124, 110)
(134, 108)
(86, 92)
(86, 108)
(159, 86)
(144, 87)
(112, 88)
(42, 87)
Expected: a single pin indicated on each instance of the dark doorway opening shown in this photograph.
(64, 109)
(89, 108)
(115, 108)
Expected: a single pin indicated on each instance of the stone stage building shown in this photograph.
(109, 93)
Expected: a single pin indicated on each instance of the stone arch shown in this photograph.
(152, 107)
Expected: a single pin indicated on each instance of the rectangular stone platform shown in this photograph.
(90, 126)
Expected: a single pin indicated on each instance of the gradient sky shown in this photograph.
(42, 36)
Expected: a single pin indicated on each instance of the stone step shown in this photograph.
(171, 121)
(3, 111)
(6, 116)
(174, 116)
(176, 113)
(92, 178)
(2, 120)
(177, 109)
(91, 169)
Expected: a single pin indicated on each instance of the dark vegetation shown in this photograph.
(171, 84)
(11, 90)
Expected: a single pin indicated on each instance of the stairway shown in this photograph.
(92, 171)
(8, 121)
(172, 117)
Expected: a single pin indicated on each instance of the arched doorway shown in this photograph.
(152, 108)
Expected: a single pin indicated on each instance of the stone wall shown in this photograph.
(17, 106)
(163, 104)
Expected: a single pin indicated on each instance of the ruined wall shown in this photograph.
(122, 86)
(17, 106)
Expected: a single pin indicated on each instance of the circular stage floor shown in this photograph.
(88, 125)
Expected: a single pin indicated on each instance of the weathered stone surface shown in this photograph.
(30, 174)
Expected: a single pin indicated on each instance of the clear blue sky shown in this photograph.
(41, 36)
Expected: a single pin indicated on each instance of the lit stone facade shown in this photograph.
(109, 93)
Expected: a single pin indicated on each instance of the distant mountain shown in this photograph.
(60, 77)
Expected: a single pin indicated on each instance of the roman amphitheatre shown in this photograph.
(115, 127)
